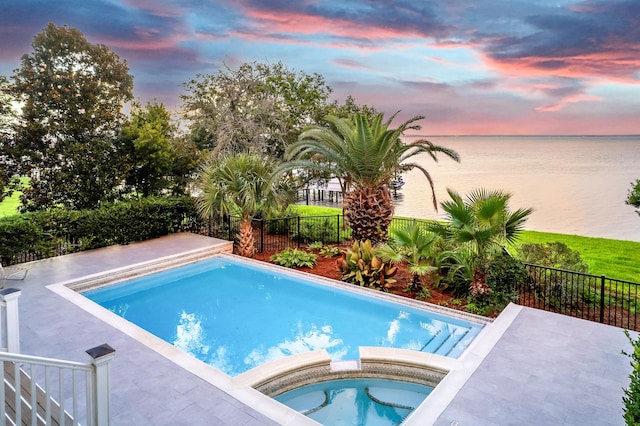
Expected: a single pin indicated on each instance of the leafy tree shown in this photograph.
(8, 167)
(243, 184)
(482, 222)
(73, 92)
(633, 198)
(147, 144)
(256, 107)
(413, 246)
(366, 155)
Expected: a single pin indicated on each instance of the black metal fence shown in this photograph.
(592, 297)
(294, 231)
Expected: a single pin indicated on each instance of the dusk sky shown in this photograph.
(469, 66)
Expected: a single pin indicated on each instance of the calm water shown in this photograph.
(236, 316)
(371, 402)
(577, 185)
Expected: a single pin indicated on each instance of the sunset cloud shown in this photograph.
(486, 66)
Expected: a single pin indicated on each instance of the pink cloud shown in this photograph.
(574, 98)
(309, 25)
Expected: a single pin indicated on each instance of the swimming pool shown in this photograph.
(235, 316)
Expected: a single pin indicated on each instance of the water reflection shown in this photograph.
(305, 339)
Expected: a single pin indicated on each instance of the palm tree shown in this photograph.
(483, 223)
(413, 246)
(242, 184)
(365, 154)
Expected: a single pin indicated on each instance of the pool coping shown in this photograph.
(459, 370)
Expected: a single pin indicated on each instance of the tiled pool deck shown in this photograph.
(543, 369)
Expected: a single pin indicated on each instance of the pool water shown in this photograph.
(371, 402)
(235, 315)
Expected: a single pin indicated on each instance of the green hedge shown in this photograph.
(42, 234)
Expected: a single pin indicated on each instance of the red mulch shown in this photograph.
(327, 268)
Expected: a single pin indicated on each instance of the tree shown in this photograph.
(256, 107)
(8, 179)
(413, 246)
(633, 198)
(366, 155)
(148, 150)
(73, 92)
(243, 184)
(482, 222)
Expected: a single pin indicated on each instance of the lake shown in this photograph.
(576, 184)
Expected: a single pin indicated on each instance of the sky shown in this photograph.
(468, 66)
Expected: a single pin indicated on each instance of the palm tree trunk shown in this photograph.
(247, 242)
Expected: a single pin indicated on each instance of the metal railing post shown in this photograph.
(100, 358)
(298, 231)
(338, 225)
(9, 296)
(602, 278)
(261, 235)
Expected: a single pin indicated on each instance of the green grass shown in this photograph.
(613, 258)
(9, 206)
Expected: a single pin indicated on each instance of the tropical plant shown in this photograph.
(329, 251)
(365, 154)
(483, 223)
(360, 265)
(242, 184)
(413, 246)
(295, 258)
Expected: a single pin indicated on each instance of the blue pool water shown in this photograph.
(371, 402)
(236, 316)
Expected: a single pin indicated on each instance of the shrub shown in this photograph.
(41, 232)
(359, 265)
(631, 398)
(294, 258)
(329, 252)
(316, 245)
(553, 255)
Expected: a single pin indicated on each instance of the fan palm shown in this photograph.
(365, 154)
(482, 222)
(413, 246)
(242, 184)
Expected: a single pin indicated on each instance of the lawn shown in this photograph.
(613, 258)
(9, 206)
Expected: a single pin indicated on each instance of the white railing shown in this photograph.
(45, 391)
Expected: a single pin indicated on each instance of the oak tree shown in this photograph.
(72, 94)
(256, 107)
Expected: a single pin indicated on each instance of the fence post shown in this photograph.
(9, 296)
(298, 231)
(602, 278)
(261, 235)
(100, 358)
(338, 217)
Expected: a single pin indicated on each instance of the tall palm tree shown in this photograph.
(365, 154)
(242, 184)
(482, 222)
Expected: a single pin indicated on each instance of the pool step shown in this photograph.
(445, 341)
